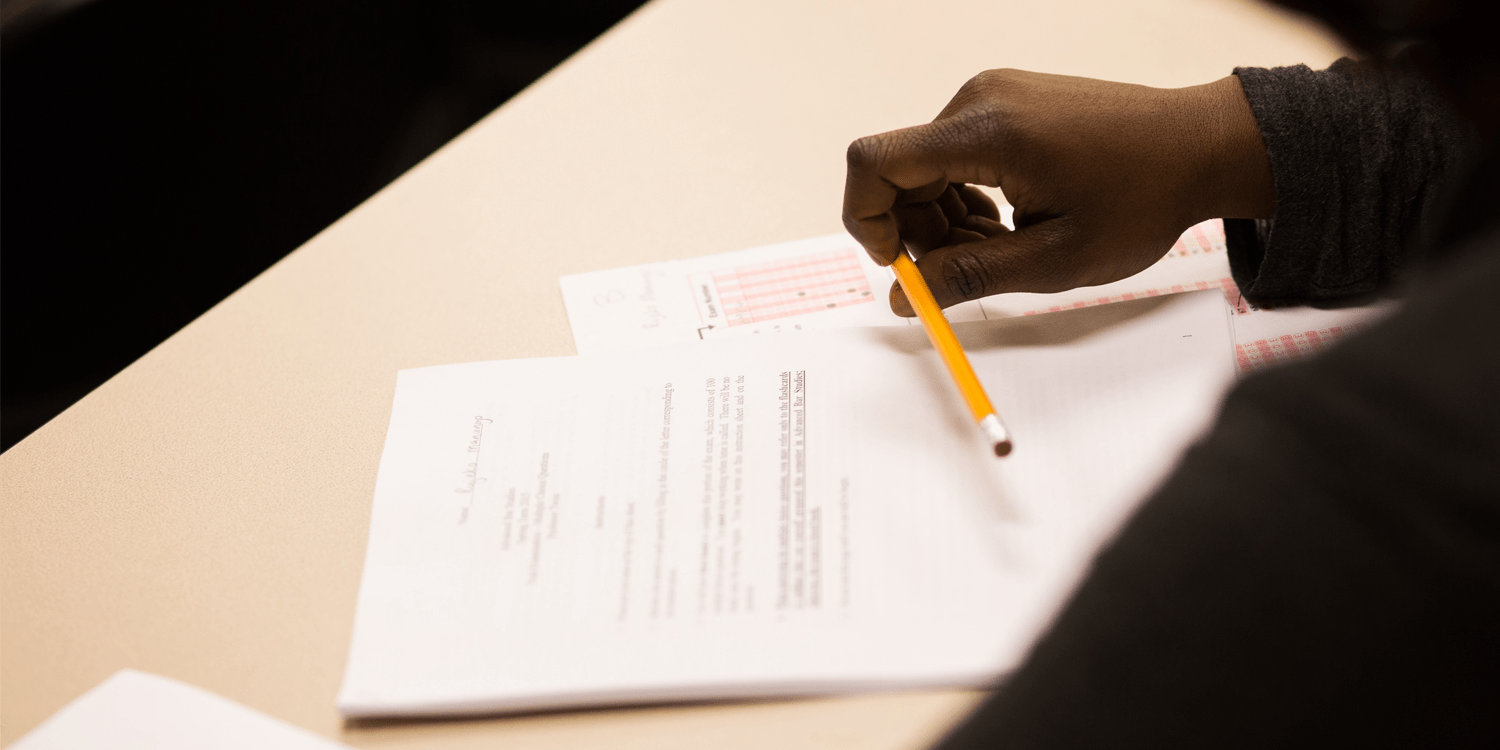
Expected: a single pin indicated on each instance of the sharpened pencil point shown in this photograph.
(1002, 449)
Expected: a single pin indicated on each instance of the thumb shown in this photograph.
(1031, 259)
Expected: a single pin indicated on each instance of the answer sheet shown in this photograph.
(830, 282)
(771, 516)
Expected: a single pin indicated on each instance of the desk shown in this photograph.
(203, 514)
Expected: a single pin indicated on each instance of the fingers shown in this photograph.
(923, 194)
(868, 199)
(959, 236)
(900, 305)
(1029, 260)
(905, 168)
(977, 202)
(983, 225)
(872, 190)
(953, 206)
(943, 221)
(922, 227)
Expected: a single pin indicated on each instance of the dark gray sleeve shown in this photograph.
(1361, 153)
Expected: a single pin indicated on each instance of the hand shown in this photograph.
(1104, 178)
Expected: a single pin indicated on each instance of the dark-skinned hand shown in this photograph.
(1104, 177)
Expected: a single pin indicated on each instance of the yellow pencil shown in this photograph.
(941, 335)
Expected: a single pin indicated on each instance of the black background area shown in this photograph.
(155, 155)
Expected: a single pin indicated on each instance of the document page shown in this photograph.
(772, 516)
(140, 711)
(830, 282)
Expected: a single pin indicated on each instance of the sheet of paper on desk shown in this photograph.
(830, 282)
(139, 711)
(770, 516)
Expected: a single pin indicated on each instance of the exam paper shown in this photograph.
(139, 711)
(1266, 336)
(830, 282)
(765, 517)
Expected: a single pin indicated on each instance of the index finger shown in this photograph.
(902, 165)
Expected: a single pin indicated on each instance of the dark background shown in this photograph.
(155, 155)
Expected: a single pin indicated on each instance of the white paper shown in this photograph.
(139, 711)
(830, 282)
(814, 512)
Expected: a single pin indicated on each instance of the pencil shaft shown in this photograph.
(941, 335)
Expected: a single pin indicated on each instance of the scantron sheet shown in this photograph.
(830, 282)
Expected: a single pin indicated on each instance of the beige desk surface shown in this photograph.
(203, 515)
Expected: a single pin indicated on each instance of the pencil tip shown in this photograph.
(1002, 448)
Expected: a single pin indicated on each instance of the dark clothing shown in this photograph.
(1323, 567)
(1358, 152)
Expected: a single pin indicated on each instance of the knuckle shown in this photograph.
(863, 152)
(990, 81)
(986, 78)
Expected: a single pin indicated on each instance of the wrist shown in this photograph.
(1230, 176)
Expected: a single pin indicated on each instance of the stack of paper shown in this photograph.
(759, 516)
(687, 513)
